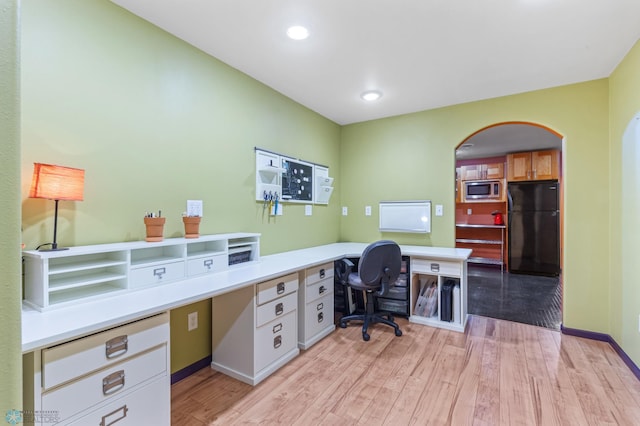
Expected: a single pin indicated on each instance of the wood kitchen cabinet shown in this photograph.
(536, 165)
(482, 171)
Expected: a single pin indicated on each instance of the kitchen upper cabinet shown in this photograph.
(536, 165)
(482, 171)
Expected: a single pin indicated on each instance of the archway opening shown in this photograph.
(509, 213)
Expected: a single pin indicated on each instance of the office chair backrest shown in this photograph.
(380, 263)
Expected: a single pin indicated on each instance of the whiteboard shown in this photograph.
(405, 216)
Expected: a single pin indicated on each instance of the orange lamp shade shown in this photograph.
(57, 182)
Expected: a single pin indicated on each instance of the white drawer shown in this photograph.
(275, 288)
(206, 265)
(159, 274)
(73, 359)
(118, 379)
(436, 267)
(276, 308)
(319, 289)
(318, 273)
(318, 315)
(149, 405)
(275, 339)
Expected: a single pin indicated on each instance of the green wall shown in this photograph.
(625, 207)
(413, 157)
(155, 122)
(10, 334)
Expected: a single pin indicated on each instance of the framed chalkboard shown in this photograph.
(297, 180)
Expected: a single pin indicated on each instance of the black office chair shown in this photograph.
(378, 269)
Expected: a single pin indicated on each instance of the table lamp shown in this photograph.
(56, 183)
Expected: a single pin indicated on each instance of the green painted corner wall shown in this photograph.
(413, 157)
(624, 209)
(189, 346)
(155, 122)
(10, 336)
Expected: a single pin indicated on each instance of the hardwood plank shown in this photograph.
(496, 373)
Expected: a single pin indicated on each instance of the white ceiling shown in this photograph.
(421, 54)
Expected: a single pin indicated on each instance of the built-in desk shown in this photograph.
(42, 330)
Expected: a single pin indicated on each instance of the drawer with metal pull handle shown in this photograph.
(275, 339)
(318, 273)
(105, 384)
(319, 289)
(276, 308)
(159, 274)
(272, 289)
(67, 361)
(145, 406)
(206, 265)
(317, 315)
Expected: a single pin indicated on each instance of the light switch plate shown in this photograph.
(367, 211)
(308, 210)
(345, 211)
(438, 209)
(194, 208)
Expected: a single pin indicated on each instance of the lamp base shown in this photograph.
(53, 249)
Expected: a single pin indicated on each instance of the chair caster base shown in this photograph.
(398, 332)
(365, 337)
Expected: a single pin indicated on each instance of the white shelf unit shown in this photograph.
(268, 174)
(323, 186)
(59, 278)
(269, 180)
(425, 270)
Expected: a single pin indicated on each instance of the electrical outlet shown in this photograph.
(345, 211)
(194, 208)
(367, 211)
(469, 211)
(308, 210)
(193, 321)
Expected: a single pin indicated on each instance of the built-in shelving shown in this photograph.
(58, 278)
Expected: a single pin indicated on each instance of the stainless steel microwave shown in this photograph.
(477, 190)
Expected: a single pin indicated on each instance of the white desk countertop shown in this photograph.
(42, 329)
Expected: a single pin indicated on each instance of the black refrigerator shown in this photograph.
(534, 228)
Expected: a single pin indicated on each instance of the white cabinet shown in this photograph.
(254, 329)
(315, 302)
(430, 305)
(323, 187)
(62, 278)
(121, 373)
(268, 175)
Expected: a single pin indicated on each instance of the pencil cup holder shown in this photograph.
(155, 228)
(191, 226)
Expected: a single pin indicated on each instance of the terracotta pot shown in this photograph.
(191, 226)
(155, 228)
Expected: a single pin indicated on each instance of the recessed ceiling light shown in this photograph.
(297, 32)
(371, 95)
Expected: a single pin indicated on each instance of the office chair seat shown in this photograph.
(379, 268)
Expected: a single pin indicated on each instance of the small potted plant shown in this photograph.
(155, 227)
(191, 226)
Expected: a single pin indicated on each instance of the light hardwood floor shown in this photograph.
(497, 373)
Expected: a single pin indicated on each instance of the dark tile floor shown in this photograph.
(528, 299)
